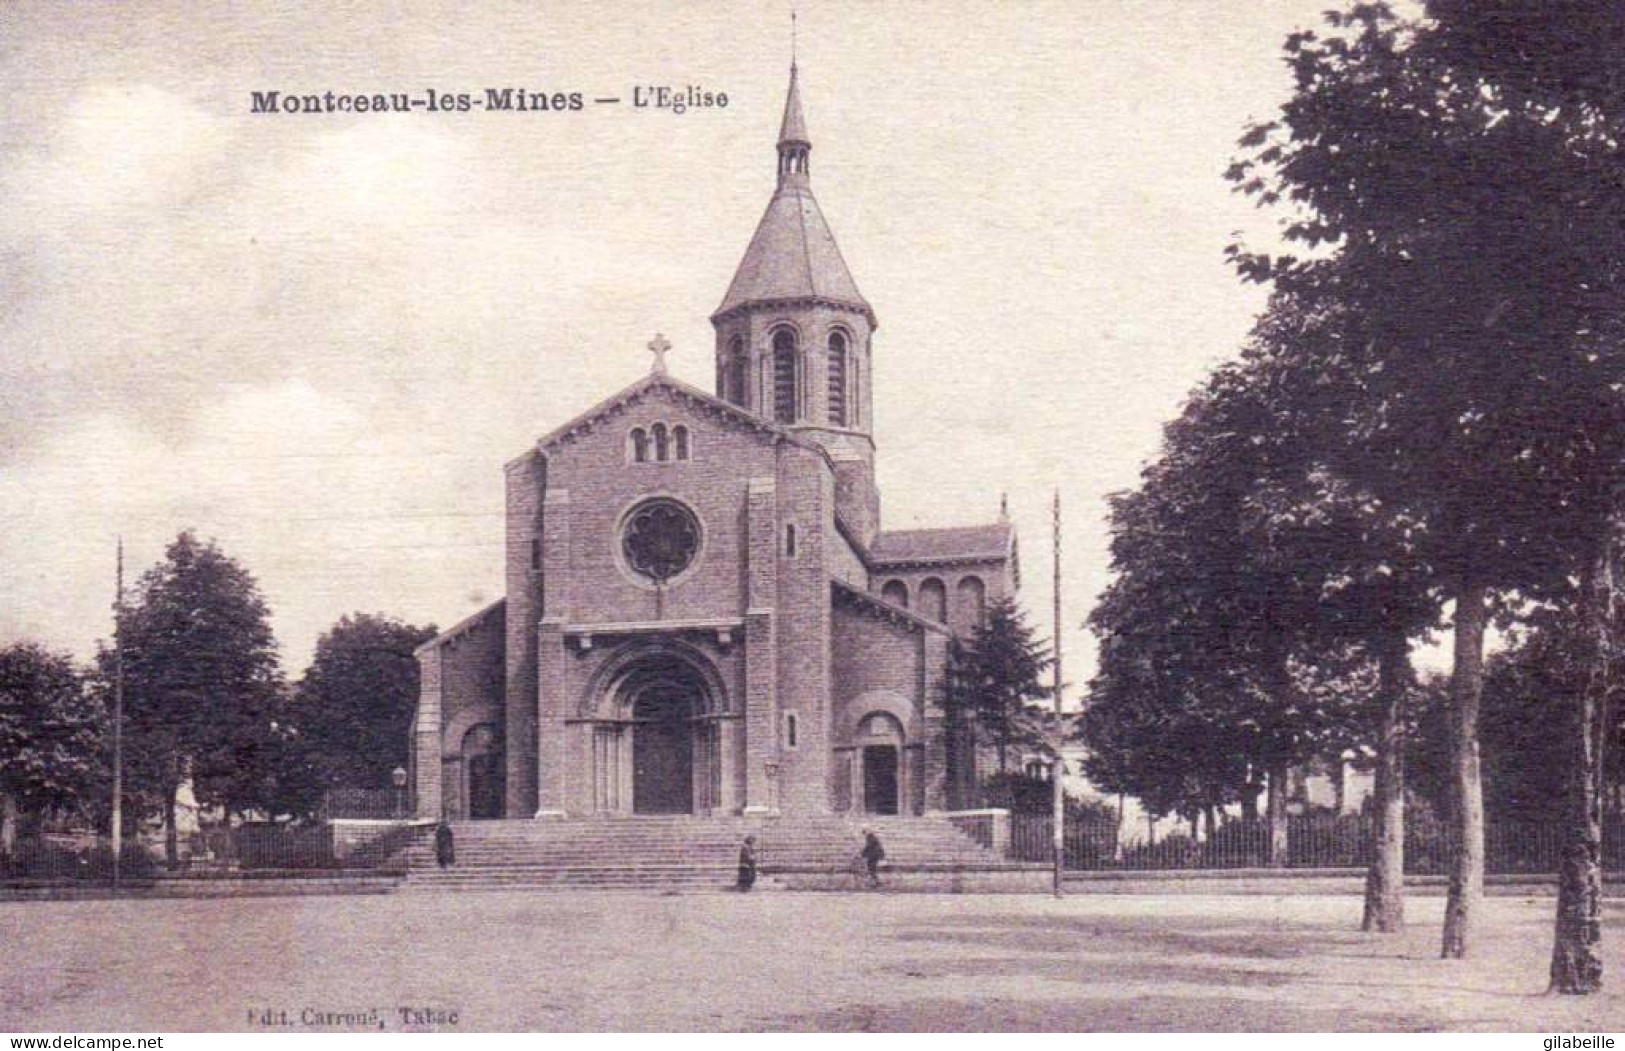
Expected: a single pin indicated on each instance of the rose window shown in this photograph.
(660, 539)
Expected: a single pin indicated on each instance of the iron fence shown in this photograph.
(85, 856)
(254, 846)
(1521, 848)
(368, 804)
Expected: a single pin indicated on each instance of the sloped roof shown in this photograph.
(792, 256)
(696, 398)
(877, 606)
(464, 626)
(617, 401)
(954, 544)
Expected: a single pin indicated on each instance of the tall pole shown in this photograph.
(1058, 769)
(118, 716)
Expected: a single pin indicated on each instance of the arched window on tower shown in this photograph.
(662, 442)
(784, 376)
(734, 372)
(638, 444)
(679, 441)
(838, 414)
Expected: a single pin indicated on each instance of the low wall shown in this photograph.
(370, 843)
(939, 879)
(214, 885)
(989, 826)
(1347, 881)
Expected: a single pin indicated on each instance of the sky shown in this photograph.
(316, 338)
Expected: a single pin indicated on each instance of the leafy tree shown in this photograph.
(1464, 227)
(1530, 691)
(1364, 555)
(203, 687)
(1231, 635)
(996, 675)
(352, 710)
(50, 737)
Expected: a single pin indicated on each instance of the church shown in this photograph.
(703, 613)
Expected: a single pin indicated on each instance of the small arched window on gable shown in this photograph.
(895, 592)
(733, 373)
(839, 413)
(638, 445)
(784, 376)
(679, 441)
(662, 442)
(789, 541)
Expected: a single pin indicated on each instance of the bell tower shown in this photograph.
(794, 334)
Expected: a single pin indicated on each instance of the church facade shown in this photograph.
(703, 614)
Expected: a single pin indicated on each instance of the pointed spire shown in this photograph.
(794, 145)
(792, 255)
(793, 129)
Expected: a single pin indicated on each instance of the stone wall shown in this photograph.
(806, 497)
(462, 685)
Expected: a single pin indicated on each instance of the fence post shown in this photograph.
(1001, 832)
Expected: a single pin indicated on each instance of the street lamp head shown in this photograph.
(398, 775)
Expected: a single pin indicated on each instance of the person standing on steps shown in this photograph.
(747, 864)
(873, 854)
(445, 851)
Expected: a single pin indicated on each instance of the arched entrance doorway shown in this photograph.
(880, 739)
(482, 766)
(663, 717)
(658, 753)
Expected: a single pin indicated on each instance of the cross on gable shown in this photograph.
(659, 346)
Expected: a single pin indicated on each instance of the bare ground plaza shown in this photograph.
(509, 961)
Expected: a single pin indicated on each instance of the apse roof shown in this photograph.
(957, 543)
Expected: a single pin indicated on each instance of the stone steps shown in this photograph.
(677, 853)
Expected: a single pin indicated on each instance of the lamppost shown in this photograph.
(398, 775)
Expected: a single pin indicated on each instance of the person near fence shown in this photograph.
(747, 864)
(873, 853)
(445, 850)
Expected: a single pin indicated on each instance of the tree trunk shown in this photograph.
(172, 856)
(1211, 820)
(8, 825)
(1275, 803)
(1467, 818)
(1576, 956)
(1249, 802)
(1385, 882)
